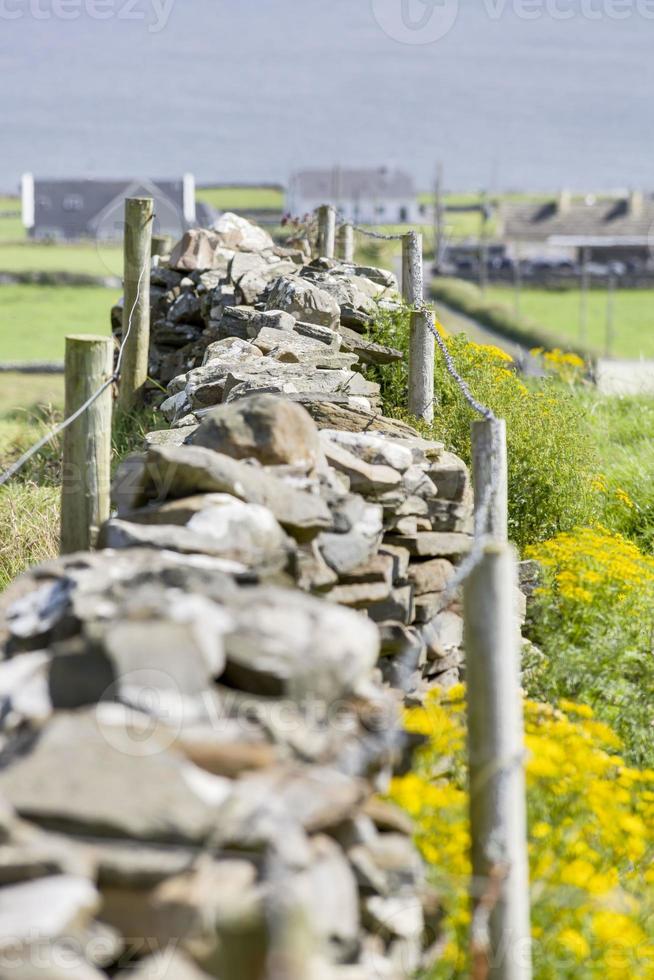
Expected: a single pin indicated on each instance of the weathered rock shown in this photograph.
(169, 437)
(304, 301)
(430, 576)
(200, 249)
(350, 418)
(357, 534)
(46, 910)
(313, 798)
(235, 232)
(398, 606)
(186, 470)
(164, 966)
(451, 476)
(365, 478)
(294, 348)
(327, 892)
(444, 634)
(81, 772)
(245, 534)
(271, 430)
(434, 544)
(367, 350)
(286, 642)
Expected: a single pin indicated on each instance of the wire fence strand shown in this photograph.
(62, 426)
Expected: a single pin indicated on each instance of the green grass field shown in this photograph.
(242, 198)
(91, 259)
(559, 312)
(35, 319)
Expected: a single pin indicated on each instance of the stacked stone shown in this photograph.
(197, 716)
(189, 752)
(299, 334)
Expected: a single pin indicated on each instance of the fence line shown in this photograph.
(500, 924)
(62, 426)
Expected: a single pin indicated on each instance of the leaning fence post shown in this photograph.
(347, 242)
(87, 443)
(500, 929)
(326, 231)
(489, 475)
(139, 213)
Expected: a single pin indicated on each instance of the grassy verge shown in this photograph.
(30, 502)
(34, 320)
(468, 299)
(29, 506)
(633, 316)
(89, 259)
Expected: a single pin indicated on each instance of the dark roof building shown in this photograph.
(69, 210)
(616, 224)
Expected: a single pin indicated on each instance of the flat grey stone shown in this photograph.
(367, 350)
(177, 966)
(357, 538)
(451, 476)
(430, 576)
(305, 301)
(359, 596)
(365, 478)
(443, 634)
(288, 643)
(167, 473)
(398, 607)
(432, 544)
(169, 437)
(81, 774)
(46, 909)
(373, 448)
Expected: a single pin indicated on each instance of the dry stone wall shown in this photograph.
(198, 717)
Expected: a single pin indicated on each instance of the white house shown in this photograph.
(380, 196)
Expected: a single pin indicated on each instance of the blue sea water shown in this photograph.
(251, 90)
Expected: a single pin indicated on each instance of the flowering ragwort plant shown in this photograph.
(591, 840)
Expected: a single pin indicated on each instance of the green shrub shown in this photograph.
(623, 429)
(552, 458)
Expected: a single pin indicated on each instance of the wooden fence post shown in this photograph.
(139, 213)
(87, 443)
(347, 242)
(421, 366)
(326, 231)
(421, 339)
(412, 269)
(489, 437)
(161, 244)
(498, 825)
